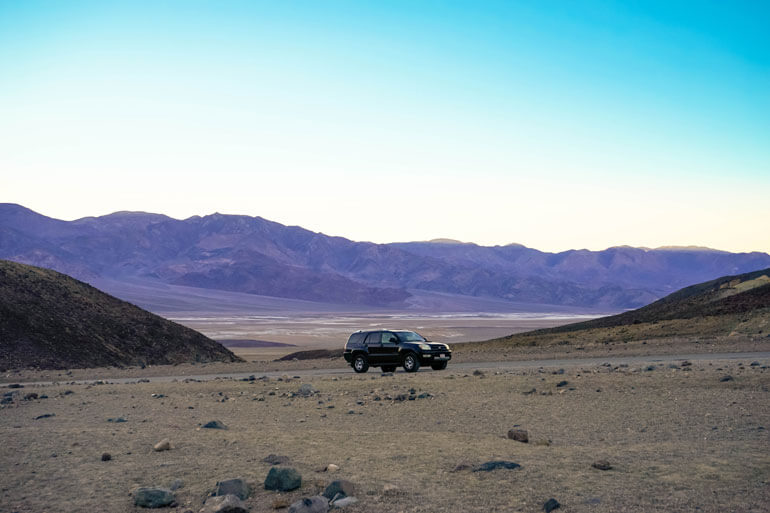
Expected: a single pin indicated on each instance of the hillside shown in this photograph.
(255, 256)
(731, 305)
(49, 320)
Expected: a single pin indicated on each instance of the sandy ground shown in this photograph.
(678, 438)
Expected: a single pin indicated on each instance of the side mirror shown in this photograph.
(393, 340)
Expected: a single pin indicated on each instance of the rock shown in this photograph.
(176, 484)
(237, 487)
(754, 364)
(550, 505)
(724, 379)
(30, 396)
(562, 384)
(315, 504)
(478, 372)
(214, 424)
(462, 466)
(153, 497)
(306, 390)
(45, 416)
(280, 503)
(339, 487)
(106, 456)
(601, 465)
(520, 435)
(345, 501)
(332, 468)
(224, 504)
(283, 479)
(118, 420)
(15, 385)
(686, 363)
(390, 489)
(494, 465)
(274, 459)
(163, 445)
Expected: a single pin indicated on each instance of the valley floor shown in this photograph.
(679, 438)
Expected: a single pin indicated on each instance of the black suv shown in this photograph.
(391, 348)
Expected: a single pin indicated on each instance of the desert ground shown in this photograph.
(678, 437)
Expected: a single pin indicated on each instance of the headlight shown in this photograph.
(446, 347)
(425, 347)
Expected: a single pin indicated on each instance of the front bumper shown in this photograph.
(435, 356)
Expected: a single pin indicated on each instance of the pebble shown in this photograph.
(339, 488)
(601, 465)
(224, 504)
(163, 445)
(283, 479)
(332, 468)
(315, 504)
(275, 459)
(494, 465)
(214, 424)
(106, 456)
(519, 435)
(236, 487)
(550, 505)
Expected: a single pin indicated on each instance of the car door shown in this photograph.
(389, 348)
(374, 347)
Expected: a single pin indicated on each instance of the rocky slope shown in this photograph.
(50, 320)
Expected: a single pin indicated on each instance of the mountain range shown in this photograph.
(253, 255)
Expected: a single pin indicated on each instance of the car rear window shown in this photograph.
(356, 339)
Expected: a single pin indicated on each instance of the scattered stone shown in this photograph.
(315, 504)
(478, 372)
(386, 374)
(163, 445)
(754, 364)
(332, 468)
(550, 505)
(726, 378)
(280, 503)
(15, 385)
(214, 424)
(390, 489)
(306, 390)
(424, 395)
(176, 484)
(31, 396)
(45, 416)
(562, 384)
(237, 487)
(153, 497)
(494, 465)
(530, 392)
(520, 435)
(224, 504)
(650, 368)
(601, 465)
(341, 487)
(118, 420)
(274, 459)
(543, 442)
(283, 479)
(345, 501)
(686, 363)
(560, 371)
(106, 456)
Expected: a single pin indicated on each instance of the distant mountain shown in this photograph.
(728, 306)
(52, 321)
(257, 256)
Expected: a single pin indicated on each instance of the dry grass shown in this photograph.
(678, 440)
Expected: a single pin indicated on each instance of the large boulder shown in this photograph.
(153, 497)
(283, 479)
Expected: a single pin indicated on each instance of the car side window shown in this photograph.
(373, 339)
(389, 338)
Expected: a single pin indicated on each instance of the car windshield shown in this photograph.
(409, 336)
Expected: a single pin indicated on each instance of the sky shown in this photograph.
(557, 125)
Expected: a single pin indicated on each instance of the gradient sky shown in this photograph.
(557, 124)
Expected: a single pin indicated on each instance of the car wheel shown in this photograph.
(388, 368)
(360, 363)
(438, 366)
(411, 363)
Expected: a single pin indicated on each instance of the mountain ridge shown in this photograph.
(258, 256)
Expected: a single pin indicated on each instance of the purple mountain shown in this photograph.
(257, 256)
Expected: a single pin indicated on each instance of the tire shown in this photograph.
(388, 368)
(360, 363)
(438, 365)
(411, 362)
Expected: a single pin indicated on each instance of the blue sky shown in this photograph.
(553, 124)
